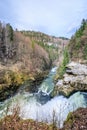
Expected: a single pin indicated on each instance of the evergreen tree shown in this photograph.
(9, 30)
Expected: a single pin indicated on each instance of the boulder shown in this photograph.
(75, 79)
(76, 69)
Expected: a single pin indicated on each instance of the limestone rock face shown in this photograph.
(75, 79)
(76, 69)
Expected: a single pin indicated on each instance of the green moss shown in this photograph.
(70, 118)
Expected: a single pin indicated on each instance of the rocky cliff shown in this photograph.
(75, 79)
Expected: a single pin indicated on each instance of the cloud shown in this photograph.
(73, 27)
(54, 17)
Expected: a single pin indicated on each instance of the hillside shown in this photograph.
(53, 45)
(46, 39)
(78, 43)
(14, 47)
(28, 46)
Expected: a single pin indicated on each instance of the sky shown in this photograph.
(53, 17)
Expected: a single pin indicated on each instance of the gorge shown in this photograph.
(42, 77)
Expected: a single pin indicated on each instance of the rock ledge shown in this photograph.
(75, 79)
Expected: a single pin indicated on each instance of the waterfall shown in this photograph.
(48, 85)
(39, 106)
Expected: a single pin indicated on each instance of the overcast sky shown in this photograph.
(54, 17)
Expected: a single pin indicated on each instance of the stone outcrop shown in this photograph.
(75, 79)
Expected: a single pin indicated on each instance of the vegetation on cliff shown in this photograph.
(76, 50)
(62, 68)
(78, 43)
(51, 44)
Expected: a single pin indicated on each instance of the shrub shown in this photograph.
(62, 68)
(14, 78)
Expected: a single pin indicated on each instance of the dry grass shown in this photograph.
(14, 122)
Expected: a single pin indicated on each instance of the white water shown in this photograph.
(31, 104)
(48, 85)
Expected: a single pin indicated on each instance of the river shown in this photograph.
(39, 106)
